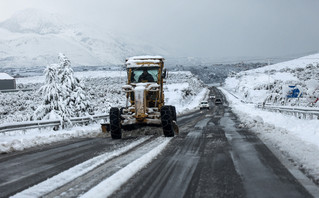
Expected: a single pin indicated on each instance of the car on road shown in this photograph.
(204, 105)
(212, 97)
(218, 101)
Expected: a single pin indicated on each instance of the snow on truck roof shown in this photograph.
(136, 61)
(145, 57)
(5, 76)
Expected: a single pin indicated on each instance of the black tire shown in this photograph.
(173, 112)
(115, 123)
(121, 110)
(167, 121)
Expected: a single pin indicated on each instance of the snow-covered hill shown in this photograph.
(270, 84)
(34, 38)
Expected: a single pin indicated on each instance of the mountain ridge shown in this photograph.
(34, 38)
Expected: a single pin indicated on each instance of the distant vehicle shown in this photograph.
(218, 101)
(204, 105)
(212, 97)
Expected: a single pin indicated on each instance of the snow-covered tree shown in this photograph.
(73, 92)
(80, 100)
(53, 105)
(64, 95)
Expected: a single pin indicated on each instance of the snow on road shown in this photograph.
(67, 176)
(296, 139)
(20, 140)
(113, 183)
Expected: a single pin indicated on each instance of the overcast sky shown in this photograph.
(202, 28)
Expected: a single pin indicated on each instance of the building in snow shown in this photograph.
(7, 82)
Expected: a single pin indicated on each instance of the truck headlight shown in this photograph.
(127, 88)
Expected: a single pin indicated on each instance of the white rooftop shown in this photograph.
(5, 76)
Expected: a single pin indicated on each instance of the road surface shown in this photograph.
(211, 157)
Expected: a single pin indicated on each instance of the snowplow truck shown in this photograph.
(144, 99)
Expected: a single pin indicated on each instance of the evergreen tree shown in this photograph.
(74, 95)
(53, 106)
(64, 95)
(80, 100)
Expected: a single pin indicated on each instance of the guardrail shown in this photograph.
(301, 113)
(15, 90)
(48, 123)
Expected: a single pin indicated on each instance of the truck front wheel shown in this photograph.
(167, 121)
(115, 123)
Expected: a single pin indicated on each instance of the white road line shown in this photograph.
(113, 183)
(67, 176)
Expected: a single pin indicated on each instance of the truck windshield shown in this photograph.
(144, 75)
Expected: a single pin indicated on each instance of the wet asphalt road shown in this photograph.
(21, 170)
(212, 157)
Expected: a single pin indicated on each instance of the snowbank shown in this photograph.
(21, 140)
(296, 139)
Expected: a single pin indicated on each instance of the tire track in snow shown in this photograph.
(60, 180)
(113, 183)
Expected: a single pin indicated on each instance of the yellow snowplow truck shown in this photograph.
(144, 99)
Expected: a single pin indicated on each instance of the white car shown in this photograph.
(204, 105)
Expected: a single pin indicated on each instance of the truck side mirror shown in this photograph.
(164, 74)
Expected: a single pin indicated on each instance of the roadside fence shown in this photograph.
(299, 112)
(49, 123)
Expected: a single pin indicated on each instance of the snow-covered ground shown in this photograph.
(182, 89)
(296, 139)
(270, 84)
(20, 140)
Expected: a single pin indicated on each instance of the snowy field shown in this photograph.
(296, 139)
(182, 89)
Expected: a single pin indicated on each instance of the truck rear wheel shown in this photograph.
(167, 121)
(115, 123)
